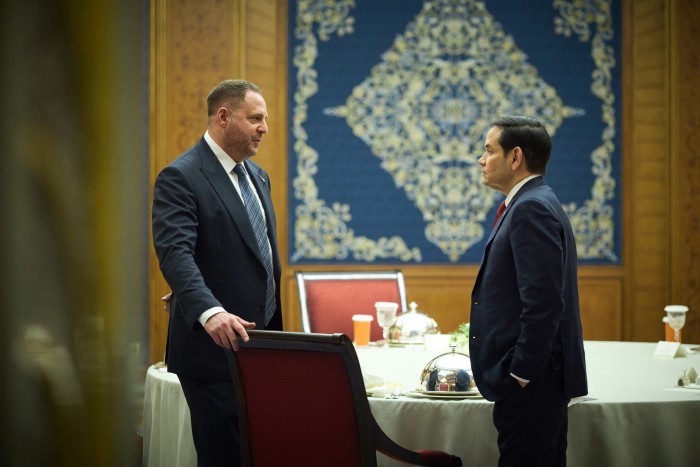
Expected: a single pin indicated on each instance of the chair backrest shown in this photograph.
(298, 396)
(329, 299)
(301, 401)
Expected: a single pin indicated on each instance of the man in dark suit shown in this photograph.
(224, 278)
(526, 343)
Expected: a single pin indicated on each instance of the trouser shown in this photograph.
(532, 425)
(214, 418)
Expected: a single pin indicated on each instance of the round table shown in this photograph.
(634, 414)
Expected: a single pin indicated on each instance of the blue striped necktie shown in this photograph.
(260, 229)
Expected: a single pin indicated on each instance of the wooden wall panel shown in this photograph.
(443, 292)
(685, 170)
(646, 169)
(661, 172)
(601, 297)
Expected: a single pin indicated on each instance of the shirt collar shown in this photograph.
(513, 191)
(226, 161)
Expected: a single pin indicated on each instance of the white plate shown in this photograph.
(471, 392)
(445, 395)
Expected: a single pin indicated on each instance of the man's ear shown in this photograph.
(518, 159)
(222, 117)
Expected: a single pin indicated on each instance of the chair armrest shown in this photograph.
(427, 458)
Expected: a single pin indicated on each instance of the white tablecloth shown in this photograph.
(167, 434)
(634, 414)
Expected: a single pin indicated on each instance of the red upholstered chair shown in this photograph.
(301, 402)
(329, 299)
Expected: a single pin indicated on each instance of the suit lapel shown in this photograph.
(221, 184)
(535, 182)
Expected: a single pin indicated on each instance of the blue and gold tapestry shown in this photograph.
(390, 102)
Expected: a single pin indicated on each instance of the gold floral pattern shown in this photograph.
(321, 231)
(593, 221)
(423, 111)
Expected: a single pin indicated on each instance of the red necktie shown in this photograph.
(501, 208)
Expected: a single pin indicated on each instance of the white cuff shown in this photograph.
(209, 313)
(522, 380)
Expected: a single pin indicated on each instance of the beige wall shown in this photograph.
(193, 48)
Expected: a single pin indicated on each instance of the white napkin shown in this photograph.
(372, 381)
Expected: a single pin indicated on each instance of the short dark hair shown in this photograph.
(530, 135)
(231, 92)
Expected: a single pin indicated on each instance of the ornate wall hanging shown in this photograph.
(389, 105)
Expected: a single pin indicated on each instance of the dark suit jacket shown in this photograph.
(208, 255)
(525, 316)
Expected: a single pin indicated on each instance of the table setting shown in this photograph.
(642, 408)
(445, 375)
(636, 398)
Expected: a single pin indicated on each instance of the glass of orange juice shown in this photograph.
(360, 327)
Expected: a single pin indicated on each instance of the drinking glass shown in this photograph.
(676, 319)
(361, 328)
(386, 312)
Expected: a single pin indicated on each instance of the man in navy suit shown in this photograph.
(526, 343)
(211, 259)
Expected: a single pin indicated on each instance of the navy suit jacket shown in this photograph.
(209, 257)
(525, 316)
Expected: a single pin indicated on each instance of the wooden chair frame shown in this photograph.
(370, 436)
